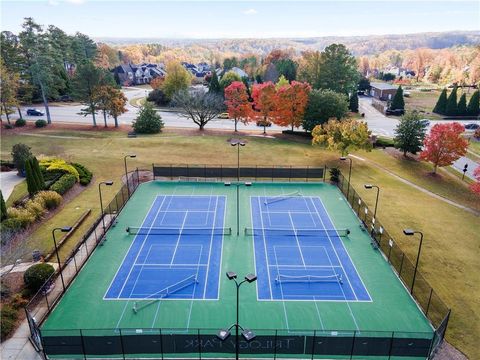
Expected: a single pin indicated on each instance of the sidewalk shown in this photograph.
(8, 180)
(19, 347)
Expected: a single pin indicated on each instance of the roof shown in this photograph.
(383, 86)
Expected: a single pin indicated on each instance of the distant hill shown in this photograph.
(359, 45)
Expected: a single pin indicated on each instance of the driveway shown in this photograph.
(8, 180)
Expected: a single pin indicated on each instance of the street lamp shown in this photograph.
(410, 232)
(344, 158)
(247, 334)
(108, 183)
(237, 143)
(62, 229)
(126, 172)
(369, 186)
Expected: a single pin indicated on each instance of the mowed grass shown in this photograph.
(474, 146)
(450, 253)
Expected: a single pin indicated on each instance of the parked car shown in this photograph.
(34, 112)
(65, 98)
(395, 112)
(472, 126)
(264, 123)
(223, 116)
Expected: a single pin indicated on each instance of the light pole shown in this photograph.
(108, 183)
(344, 158)
(369, 186)
(126, 172)
(237, 143)
(62, 229)
(247, 334)
(410, 232)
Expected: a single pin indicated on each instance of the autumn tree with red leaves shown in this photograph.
(444, 145)
(291, 101)
(475, 187)
(264, 101)
(238, 106)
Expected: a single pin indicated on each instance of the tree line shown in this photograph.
(450, 107)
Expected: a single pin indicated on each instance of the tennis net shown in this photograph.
(274, 199)
(281, 279)
(133, 230)
(297, 232)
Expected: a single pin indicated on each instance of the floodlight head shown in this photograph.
(368, 186)
(133, 155)
(223, 334)
(248, 335)
(233, 144)
(108, 182)
(408, 232)
(251, 277)
(231, 275)
(66, 229)
(241, 143)
(343, 158)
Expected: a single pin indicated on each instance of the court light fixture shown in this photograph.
(248, 335)
(411, 232)
(408, 232)
(368, 186)
(227, 183)
(108, 183)
(223, 334)
(66, 229)
(231, 275)
(251, 278)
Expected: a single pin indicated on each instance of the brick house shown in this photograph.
(382, 91)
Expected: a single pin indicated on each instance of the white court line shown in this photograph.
(210, 247)
(281, 291)
(318, 313)
(265, 248)
(296, 238)
(168, 265)
(334, 250)
(308, 266)
(194, 289)
(179, 237)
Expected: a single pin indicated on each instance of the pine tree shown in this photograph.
(462, 105)
(3, 208)
(474, 104)
(353, 105)
(38, 174)
(214, 86)
(398, 102)
(31, 181)
(410, 132)
(441, 105)
(451, 108)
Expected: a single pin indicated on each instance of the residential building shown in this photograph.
(382, 91)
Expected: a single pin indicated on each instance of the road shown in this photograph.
(385, 126)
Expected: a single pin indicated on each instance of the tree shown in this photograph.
(462, 105)
(116, 105)
(410, 132)
(199, 106)
(364, 84)
(444, 145)
(310, 67)
(238, 106)
(158, 97)
(3, 207)
(324, 105)
(227, 79)
(451, 107)
(214, 86)
(291, 101)
(282, 81)
(353, 102)
(111, 101)
(147, 121)
(38, 174)
(157, 83)
(344, 136)
(177, 79)
(35, 181)
(229, 63)
(287, 68)
(263, 95)
(87, 79)
(441, 105)
(398, 102)
(9, 83)
(475, 187)
(20, 153)
(473, 108)
(271, 73)
(338, 70)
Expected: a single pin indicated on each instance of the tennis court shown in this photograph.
(299, 255)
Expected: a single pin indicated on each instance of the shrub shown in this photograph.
(334, 175)
(23, 217)
(20, 123)
(59, 165)
(64, 184)
(10, 225)
(84, 174)
(8, 318)
(40, 123)
(50, 199)
(8, 126)
(147, 121)
(476, 135)
(158, 97)
(36, 275)
(18, 301)
(20, 153)
(35, 207)
(384, 142)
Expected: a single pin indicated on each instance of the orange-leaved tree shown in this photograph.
(291, 101)
(238, 106)
(444, 145)
(475, 187)
(264, 101)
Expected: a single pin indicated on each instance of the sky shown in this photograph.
(242, 19)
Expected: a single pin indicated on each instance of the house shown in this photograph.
(130, 74)
(239, 72)
(382, 91)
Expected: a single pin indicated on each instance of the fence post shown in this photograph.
(275, 345)
(325, 173)
(83, 344)
(161, 342)
(391, 346)
(353, 344)
(199, 345)
(121, 343)
(153, 170)
(290, 174)
(307, 173)
(313, 343)
(401, 266)
(429, 299)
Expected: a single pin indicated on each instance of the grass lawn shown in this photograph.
(19, 191)
(474, 146)
(450, 254)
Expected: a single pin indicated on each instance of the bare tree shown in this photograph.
(199, 106)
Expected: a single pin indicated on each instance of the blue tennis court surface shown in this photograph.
(176, 252)
(299, 255)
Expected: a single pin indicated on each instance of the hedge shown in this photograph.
(64, 184)
(20, 123)
(84, 174)
(40, 123)
(384, 142)
(36, 275)
(8, 319)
